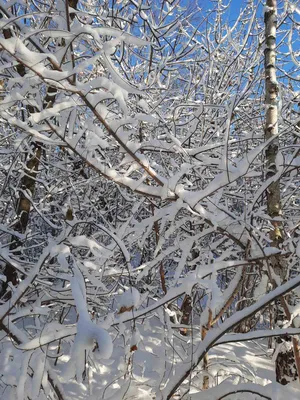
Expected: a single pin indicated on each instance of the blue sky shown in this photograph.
(234, 8)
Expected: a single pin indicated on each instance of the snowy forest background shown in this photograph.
(149, 199)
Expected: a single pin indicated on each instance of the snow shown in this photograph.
(181, 371)
(298, 249)
(162, 159)
(129, 298)
(87, 332)
(53, 111)
(39, 370)
(269, 392)
(23, 376)
(235, 337)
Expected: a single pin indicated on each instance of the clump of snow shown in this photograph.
(128, 300)
(261, 289)
(87, 332)
(296, 321)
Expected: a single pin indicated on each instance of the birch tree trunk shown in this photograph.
(286, 370)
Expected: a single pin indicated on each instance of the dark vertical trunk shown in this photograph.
(286, 370)
(27, 186)
(187, 304)
(28, 181)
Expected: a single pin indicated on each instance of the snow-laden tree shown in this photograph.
(136, 232)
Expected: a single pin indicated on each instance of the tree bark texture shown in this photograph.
(286, 370)
(27, 184)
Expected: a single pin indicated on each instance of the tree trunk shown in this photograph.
(286, 370)
(27, 185)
